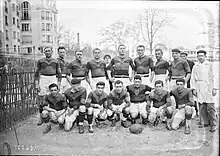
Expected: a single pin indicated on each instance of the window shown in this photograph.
(47, 15)
(6, 34)
(49, 39)
(25, 27)
(18, 23)
(13, 8)
(6, 7)
(48, 28)
(14, 34)
(27, 39)
(43, 39)
(7, 48)
(15, 48)
(25, 11)
(6, 20)
(18, 36)
(13, 21)
(17, 10)
(43, 26)
(29, 49)
(18, 48)
(42, 15)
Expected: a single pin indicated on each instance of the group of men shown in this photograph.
(102, 90)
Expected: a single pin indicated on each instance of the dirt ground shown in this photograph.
(106, 141)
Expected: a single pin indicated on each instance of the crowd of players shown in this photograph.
(122, 89)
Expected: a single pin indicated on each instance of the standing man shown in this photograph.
(47, 70)
(121, 65)
(138, 98)
(118, 102)
(143, 66)
(184, 106)
(78, 70)
(98, 70)
(179, 68)
(76, 97)
(63, 66)
(161, 68)
(202, 83)
(107, 58)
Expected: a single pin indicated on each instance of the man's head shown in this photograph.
(61, 52)
(97, 53)
(107, 59)
(180, 84)
(137, 81)
(158, 54)
(201, 55)
(140, 50)
(183, 55)
(121, 49)
(118, 86)
(79, 55)
(48, 52)
(53, 89)
(100, 86)
(158, 85)
(76, 83)
(176, 54)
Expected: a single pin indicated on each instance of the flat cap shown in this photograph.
(184, 52)
(75, 81)
(176, 50)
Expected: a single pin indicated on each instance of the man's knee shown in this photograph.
(82, 108)
(45, 116)
(169, 112)
(189, 110)
(90, 110)
(61, 119)
(134, 114)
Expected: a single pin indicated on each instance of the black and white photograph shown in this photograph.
(109, 78)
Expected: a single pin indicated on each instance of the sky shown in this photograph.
(87, 17)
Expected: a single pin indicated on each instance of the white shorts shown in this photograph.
(118, 108)
(53, 117)
(138, 108)
(153, 114)
(69, 119)
(103, 79)
(44, 83)
(145, 80)
(64, 85)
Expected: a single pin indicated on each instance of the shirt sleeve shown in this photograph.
(46, 101)
(64, 103)
(127, 98)
(151, 64)
(135, 65)
(69, 68)
(186, 67)
(131, 64)
(83, 97)
(148, 88)
(37, 73)
(89, 98)
(168, 100)
(109, 67)
(191, 99)
(58, 72)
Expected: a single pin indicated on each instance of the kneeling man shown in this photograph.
(54, 108)
(184, 105)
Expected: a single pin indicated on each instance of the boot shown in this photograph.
(91, 130)
(213, 128)
(117, 117)
(98, 124)
(81, 129)
(40, 121)
(168, 124)
(187, 130)
(156, 122)
(113, 123)
(47, 129)
(144, 121)
(61, 126)
(124, 124)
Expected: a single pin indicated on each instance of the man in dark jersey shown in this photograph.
(138, 98)
(54, 108)
(161, 107)
(77, 70)
(98, 70)
(118, 102)
(76, 97)
(47, 70)
(120, 66)
(97, 99)
(161, 68)
(143, 66)
(63, 66)
(184, 106)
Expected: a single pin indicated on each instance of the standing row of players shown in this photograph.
(49, 70)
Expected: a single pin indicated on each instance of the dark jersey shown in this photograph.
(98, 69)
(77, 69)
(63, 65)
(179, 68)
(95, 98)
(143, 64)
(57, 103)
(161, 67)
(118, 99)
(160, 99)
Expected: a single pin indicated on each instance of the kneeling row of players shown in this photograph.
(123, 103)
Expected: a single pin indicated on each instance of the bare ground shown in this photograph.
(106, 141)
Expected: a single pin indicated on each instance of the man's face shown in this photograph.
(97, 54)
(140, 51)
(183, 56)
(137, 82)
(100, 89)
(79, 55)
(62, 53)
(201, 57)
(158, 54)
(54, 91)
(107, 60)
(48, 52)
(180, 85)
(118, 88)
(76, 86)
(121, 50)
(176, 55)
(159, 87)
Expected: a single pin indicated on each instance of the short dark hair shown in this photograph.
(158, 82)
(176, 50)
(61, 47)
(158, 49)
(181, 80)
(53, 85)
(96, 49)
(107, 56)
(118, 82)
(100, 83)
(137, 77)
(121, 46)
(201, 51)
(78, 51)
(141, 46)
(47, 48)
(184, 53)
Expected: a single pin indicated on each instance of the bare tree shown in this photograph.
(150, 23)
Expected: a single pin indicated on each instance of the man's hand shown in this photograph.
(159, 110)
(112, 79)
(167, 79)
(214, 92)
(194, 92)
(181, 106)
(130, 78)
(57, 114)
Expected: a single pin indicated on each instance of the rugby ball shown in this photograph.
(136, 128)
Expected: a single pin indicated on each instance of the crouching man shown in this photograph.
(118, 102)
(76, 97)
(184, 106)
(161, 107)
(138, 95)
(54, 108)
(97, 99)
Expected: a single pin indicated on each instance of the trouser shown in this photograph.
(207, 114)
(64, 85)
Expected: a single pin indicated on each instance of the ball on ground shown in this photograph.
(136, 128)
